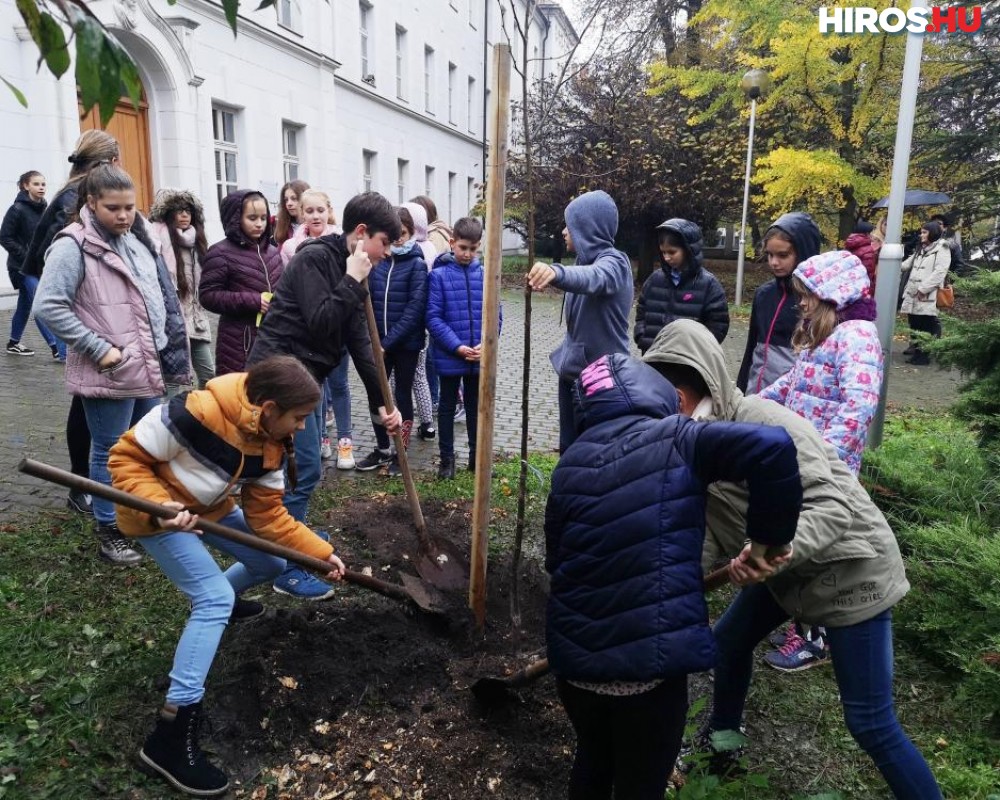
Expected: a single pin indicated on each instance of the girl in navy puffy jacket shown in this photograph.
(398, 288)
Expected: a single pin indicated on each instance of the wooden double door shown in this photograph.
(130, 126)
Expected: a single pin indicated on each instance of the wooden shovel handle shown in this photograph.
(404, 463)
(71, 481)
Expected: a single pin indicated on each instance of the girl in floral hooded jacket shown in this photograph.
(835, 381)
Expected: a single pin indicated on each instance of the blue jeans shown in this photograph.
(337, 394)
(26, 286)
(862, 664)
(308, 463)
(185, 560)
(108, 419)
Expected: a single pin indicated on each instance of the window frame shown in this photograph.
(225, 147)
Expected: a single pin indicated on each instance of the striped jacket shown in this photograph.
(194, 449)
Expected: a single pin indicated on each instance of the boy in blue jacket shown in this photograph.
(599, 294)
(455, 323)
(624, 527)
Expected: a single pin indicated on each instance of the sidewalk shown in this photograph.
(33, 402)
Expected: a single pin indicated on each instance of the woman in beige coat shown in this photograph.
(928, 268)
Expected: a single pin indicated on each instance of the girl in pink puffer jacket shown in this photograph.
(836, 379)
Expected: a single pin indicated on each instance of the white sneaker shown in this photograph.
(345, 454)
(330, 420)
(325, 450)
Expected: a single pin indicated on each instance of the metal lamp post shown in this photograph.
(755, 83)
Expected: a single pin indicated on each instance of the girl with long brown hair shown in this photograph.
(289, 211)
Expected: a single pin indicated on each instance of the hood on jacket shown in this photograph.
(419, 215)
(232, 212)
(592, 219)
(617, 385)
(24, 197)
(837, 277)
(803, 231)
(690, 234)
(445, 259)
(685, 341)
(230, 393)
(170, 201)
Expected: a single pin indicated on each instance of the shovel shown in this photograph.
(413, 590)
(494, 691)
(437, 561)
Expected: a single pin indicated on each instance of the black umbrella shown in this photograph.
(918, 197)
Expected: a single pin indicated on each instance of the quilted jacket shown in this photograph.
(398, 287)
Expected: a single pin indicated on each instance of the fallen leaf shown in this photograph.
(288, 682)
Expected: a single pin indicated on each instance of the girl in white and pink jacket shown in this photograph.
(317, 218)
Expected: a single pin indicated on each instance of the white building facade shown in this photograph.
(348, 95)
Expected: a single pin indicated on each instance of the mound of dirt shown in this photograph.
(362, 697)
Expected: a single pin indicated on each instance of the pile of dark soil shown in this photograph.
(361, 697)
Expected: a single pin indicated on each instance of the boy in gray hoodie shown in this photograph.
(599, 295)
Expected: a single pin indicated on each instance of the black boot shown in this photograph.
(446, 470)
(172, 751)
(472, 461)
(919, 358)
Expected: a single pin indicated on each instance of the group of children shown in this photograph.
(129, 300)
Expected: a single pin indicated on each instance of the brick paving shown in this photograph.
(33, 402)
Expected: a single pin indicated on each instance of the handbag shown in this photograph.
(945, 298)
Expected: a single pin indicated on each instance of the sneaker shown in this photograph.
(779, 637)
(460, 412)
(394, 469)
(55, 353)
(116, 548)
(296, 582)
(330, 419)
(797, 654)
(325, 449)
(345, 454)
(375, 459)
(80, 502)
(245, 609)
(427, 431)
(18, 349)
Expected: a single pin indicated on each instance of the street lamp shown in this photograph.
(755, 83)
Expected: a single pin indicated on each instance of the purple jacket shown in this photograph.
(233, 276)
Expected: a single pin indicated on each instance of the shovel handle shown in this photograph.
(404, 462)
(69, 480)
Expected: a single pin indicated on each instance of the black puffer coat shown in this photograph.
(54, 219)
(698, 296)
(19, 224)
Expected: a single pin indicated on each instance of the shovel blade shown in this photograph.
(443, 567)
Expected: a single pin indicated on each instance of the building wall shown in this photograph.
(307, 74)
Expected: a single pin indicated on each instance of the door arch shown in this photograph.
(130, 126)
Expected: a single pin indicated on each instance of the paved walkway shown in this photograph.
(33, 402)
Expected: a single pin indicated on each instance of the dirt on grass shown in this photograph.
(363, 697)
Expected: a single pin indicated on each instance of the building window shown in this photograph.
(451, 197)
(400, 62)
(429, 181)
(402, 173)
(291, 147)
(429, 79)
(366, 54)
(367, 170)
(470, 193)
(290, 15)
(226, 150)
(452, 77)
(472, 104)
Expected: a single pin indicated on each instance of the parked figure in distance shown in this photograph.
(928, 268)
(681, 288)
(599, 294)
(107, 293)
(774, 314)
(18, 227)
(178, 222)
(253, 415)
(239, 277)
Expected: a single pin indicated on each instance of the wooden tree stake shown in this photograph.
(496, 186)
